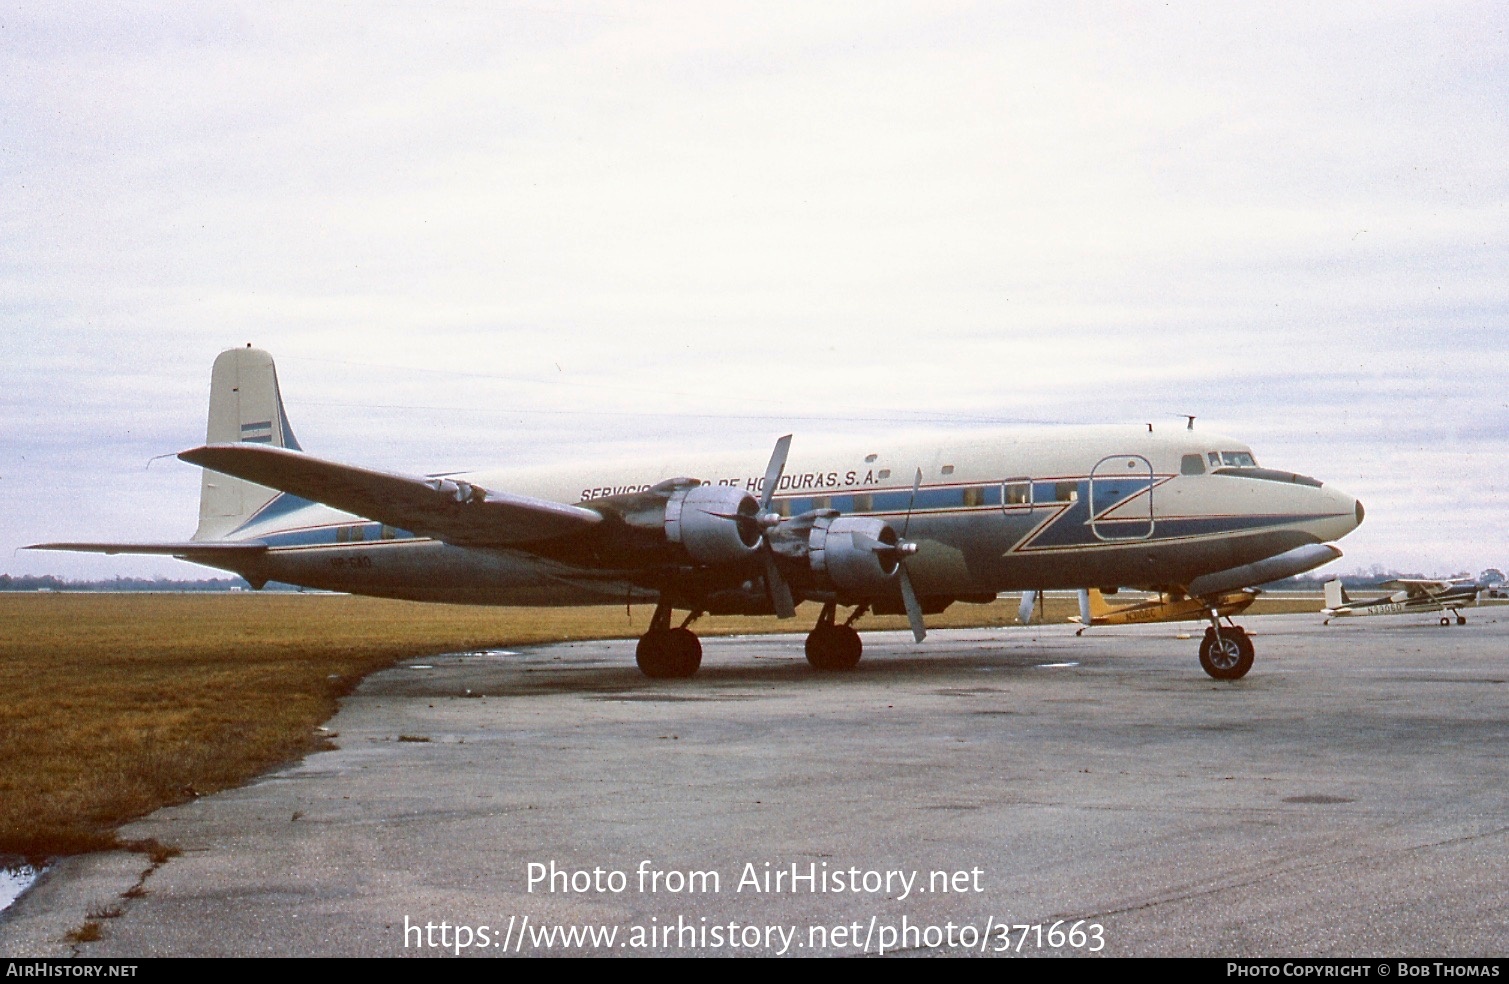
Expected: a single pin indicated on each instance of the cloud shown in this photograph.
(699, 225)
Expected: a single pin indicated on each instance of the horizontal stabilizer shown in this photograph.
(445, 509)
(184, 549)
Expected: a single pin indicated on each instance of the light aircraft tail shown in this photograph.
(1098, 606)
(1336, 596)
(245, 407)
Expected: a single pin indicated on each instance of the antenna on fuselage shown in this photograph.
(1191, 418)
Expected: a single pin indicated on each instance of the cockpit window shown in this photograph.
(1237, 459)
(1191, 464)
(1215, 459)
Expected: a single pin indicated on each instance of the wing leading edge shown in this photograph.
(445, 509)
(189, 549)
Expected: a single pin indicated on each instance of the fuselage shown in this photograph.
(1457, 596)
(992, 512)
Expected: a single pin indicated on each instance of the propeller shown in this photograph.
(780, 591)
(1084, 606)
(908, 594)
(1024, 610)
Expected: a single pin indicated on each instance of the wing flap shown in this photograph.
(446, 509)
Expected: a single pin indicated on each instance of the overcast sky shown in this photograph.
(481, 233)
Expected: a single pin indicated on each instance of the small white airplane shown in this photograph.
(880, 526)
(1410, 595)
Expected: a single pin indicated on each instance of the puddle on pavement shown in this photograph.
(15, 877)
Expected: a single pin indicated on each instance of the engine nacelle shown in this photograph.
(701, 519)
(841, 549)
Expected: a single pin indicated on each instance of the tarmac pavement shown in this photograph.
(1347, 798)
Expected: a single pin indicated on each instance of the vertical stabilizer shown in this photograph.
(1335, 597)
(245, 406)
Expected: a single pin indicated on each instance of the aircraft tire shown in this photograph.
(688, 652)
(1228, 658)
(668, 654)
(1445, 620)
(834, 648)
(1461, 619)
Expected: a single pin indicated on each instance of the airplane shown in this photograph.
(1412, 595)
(884, 526)
(1167, 607)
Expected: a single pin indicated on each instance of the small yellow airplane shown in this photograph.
(1165, 608)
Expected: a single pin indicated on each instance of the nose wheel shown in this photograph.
(1226, 653)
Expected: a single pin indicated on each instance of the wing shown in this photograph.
(188, 549)
(1419, 587)
(446, 509)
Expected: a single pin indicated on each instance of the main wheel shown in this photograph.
(667, 654)
(653, 654)
(687, 652)
(834, 647)
(1227, 657)
(1461, 619)
(1445, 620)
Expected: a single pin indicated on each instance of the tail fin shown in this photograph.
(245, 405)
(1335, 597)
(1098, 606)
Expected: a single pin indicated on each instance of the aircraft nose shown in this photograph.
(1344, 513)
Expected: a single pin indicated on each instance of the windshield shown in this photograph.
(1234, 459)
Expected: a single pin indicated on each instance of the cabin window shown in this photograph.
(1055, 492)
(974, 496)
(1191, 464)
(884, 473)
(864, 502)
(387, 533)
(1018, 492)
(782, 507)
(870, 458)
(948, 469)
(356, 534)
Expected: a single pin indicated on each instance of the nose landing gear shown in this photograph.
(1225, 653)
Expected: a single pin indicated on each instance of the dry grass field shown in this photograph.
(116, 704)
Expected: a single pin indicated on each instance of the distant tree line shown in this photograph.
(48, 582)
(1374, 578)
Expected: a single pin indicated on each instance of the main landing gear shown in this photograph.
(1225, 653)
(835, 647)
(1461, 619)
(665, 653)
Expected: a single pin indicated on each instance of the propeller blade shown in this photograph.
(1024, 611)
(1084, 606)
(916, 484)
(774, 470)
(913, 608)
(780, 591)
